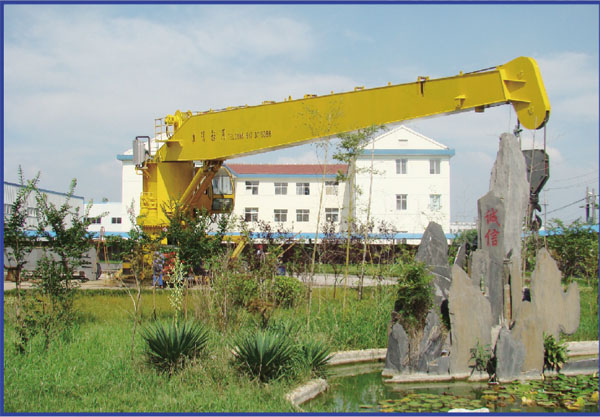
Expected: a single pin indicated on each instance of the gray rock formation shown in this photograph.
(433, 252)
(396, 357)
(510, 355)
(557, 310)
(509, 182)
(470, 320)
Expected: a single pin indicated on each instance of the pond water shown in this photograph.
(366, 392)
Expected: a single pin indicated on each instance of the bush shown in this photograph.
(170, 346)
(287, 290)
(264, 355)
(414, 295)
(555, 353)
(242, 289)
(575, 249)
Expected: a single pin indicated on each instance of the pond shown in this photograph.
(368, 393)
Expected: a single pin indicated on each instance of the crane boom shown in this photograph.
(215, 136)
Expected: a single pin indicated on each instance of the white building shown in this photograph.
(288, 196)
(410, 182)
(411, 187)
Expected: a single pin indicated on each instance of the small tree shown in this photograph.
(18, 244)
(190, 232)
(17, 237)
(349, 149)
(64, 231)
(136, 250)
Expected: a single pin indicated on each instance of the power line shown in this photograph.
(568, 205)
(587, 182)
(576, 177)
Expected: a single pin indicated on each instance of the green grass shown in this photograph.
(92, 370)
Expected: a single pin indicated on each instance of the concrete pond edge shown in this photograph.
(314, 387)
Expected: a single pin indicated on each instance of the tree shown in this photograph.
(18, 243)
(64, 231)
(191, 233)
(349, 149)
(17, 238)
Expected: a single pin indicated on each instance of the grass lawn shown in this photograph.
(90, 368)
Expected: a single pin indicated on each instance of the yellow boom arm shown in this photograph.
(215, 136)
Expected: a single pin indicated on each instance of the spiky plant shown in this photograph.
(315, 354)
(264, 355)
(169, 346)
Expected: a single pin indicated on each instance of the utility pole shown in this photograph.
(593, 204)
(587, 205)
(545, 209)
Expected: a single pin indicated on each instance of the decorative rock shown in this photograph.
(510, 355)
(480, 264)
(431, 344)
(509, 182)
(558, 311)
(528, 332)
(470, 320)
(433, 251)
(397, 352)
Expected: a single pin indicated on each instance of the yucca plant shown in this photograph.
(170, 345)
(315, 354)
(264, 355)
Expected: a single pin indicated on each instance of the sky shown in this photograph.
(81, 81)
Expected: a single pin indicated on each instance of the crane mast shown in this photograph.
(212, 137)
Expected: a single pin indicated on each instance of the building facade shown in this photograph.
(53, 197)
(406, 177)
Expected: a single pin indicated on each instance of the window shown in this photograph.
(281, 188)
(400, 166)
(251, 214)
(331, 187)
(332, 215)
(32, 211)
(435, 203)
(434, 166)
(401, 201)
(302, 215)
(115, 220)
(94, 220)
(7, 209)
(280, 215)
(252, 186)
(302, 188)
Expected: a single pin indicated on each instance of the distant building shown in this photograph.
(57, 198)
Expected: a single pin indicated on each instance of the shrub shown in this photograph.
(483, 360)
(575, 248)
(555, 353)
(414, 296)
(242, 289)
(287, 291)
(314, 355)
(170, 346)
(264, 355)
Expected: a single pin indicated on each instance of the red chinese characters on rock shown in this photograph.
(491, 217)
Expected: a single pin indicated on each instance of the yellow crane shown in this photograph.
(188, 167)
